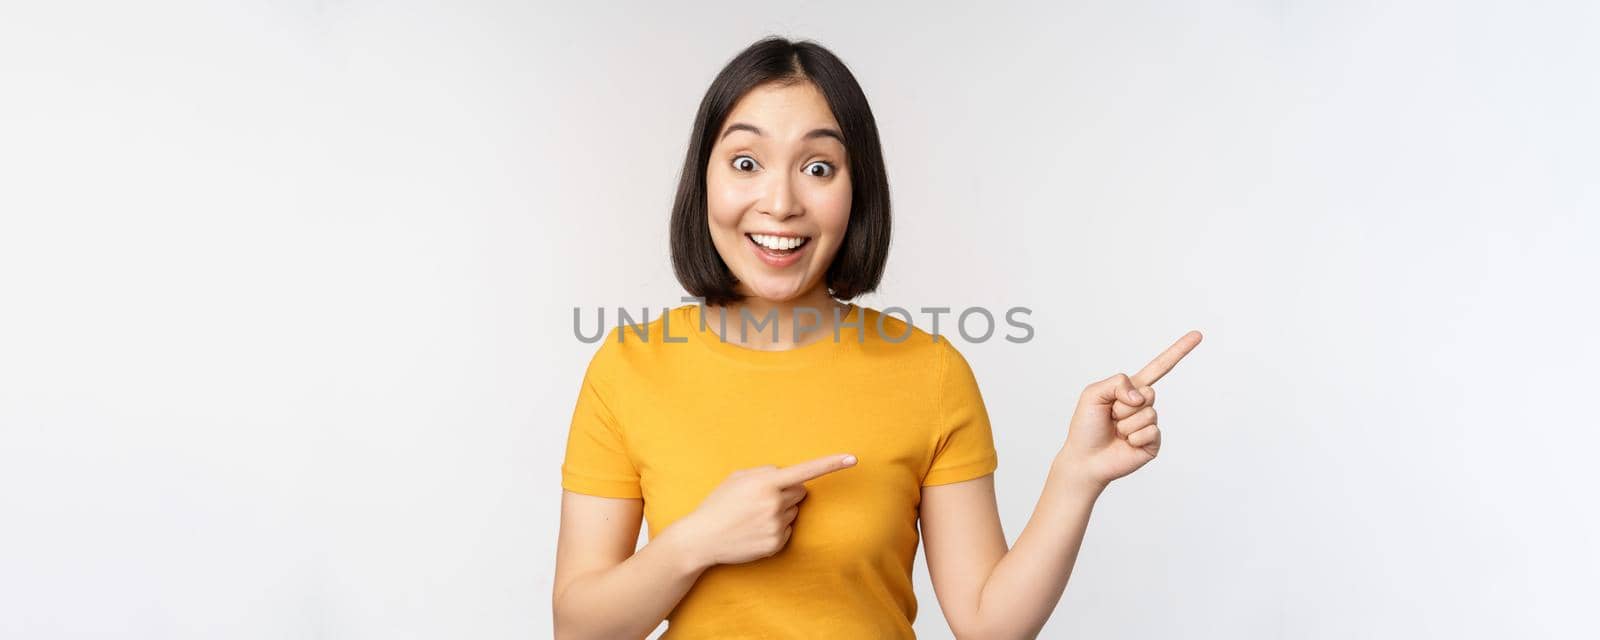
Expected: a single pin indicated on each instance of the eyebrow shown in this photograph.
(824, 132)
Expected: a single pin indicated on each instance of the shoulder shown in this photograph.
(894, 332)
(638, 338)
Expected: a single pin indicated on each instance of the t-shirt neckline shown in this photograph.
(821, 350)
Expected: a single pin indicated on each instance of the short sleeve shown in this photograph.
(964, 446)
(597, 460)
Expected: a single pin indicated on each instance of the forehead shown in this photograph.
(788, 110)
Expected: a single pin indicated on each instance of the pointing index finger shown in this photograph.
(1167, 360)
(811, 469)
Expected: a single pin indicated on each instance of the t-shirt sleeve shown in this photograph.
(964, 448)
(597, 460)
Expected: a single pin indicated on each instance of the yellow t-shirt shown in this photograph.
(668, 421)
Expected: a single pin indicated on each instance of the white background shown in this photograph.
(286, 293)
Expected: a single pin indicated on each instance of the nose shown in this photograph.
(780, 201)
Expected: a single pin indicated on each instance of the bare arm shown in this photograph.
(603, 588)
(985, 590)
(996, 593)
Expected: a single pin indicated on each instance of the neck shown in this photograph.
(815, 311)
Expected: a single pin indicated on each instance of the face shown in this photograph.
(778, 191)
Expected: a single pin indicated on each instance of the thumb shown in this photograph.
(1112, 389)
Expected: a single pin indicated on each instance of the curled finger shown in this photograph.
(1144, 418)
(1144, 437)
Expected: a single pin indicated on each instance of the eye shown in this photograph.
(819, 169)
(745, 163)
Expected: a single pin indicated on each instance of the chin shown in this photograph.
(771, 297)
(775, 293)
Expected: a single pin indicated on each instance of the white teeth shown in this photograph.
(777, 243)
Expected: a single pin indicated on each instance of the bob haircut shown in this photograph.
(858, 266)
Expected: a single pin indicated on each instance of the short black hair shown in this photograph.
(858, 266)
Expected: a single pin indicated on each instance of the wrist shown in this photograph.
(1073, 474)
(680, 545)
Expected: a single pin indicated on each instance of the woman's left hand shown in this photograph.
(1113, 430)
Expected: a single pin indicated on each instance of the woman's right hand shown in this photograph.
(750, 515)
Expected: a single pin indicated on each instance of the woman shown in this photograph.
(783, 474)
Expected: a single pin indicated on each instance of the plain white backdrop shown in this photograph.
(286, 297)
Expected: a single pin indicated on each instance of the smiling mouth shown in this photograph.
(778, 245)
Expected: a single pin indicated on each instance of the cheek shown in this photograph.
(831, 207)
(725, 202)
